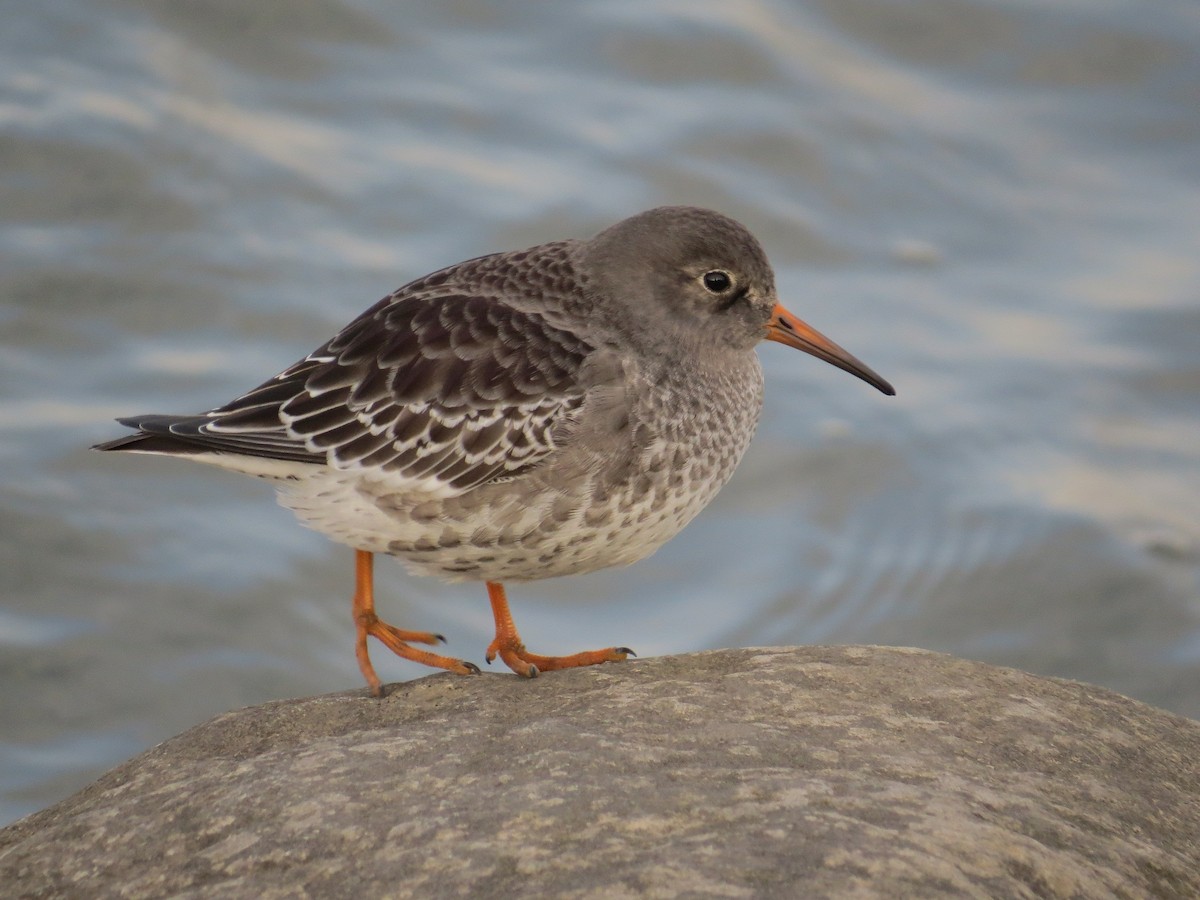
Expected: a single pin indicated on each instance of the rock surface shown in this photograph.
(817, 772)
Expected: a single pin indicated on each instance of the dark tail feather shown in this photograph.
(148, 443)
(152, 436)
(186, 435)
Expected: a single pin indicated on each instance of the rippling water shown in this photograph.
(995, 204)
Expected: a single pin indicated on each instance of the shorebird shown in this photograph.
(518, 416)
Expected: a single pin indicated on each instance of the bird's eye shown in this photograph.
(716, 281)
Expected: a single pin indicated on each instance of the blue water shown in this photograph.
(994, 204)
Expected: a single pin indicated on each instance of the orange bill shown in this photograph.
(787, 329)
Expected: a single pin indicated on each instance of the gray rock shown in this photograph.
(817, 772)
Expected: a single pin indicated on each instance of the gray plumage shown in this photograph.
(521, 415)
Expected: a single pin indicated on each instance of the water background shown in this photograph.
(995, 204)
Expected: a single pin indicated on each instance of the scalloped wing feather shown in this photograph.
(435, 393)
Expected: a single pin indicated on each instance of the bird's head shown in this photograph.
(693, 272)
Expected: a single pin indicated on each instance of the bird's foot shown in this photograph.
(399, 642)
(521, 661)
(509, 647)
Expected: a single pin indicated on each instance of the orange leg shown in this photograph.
(367, 623)
(508, 645)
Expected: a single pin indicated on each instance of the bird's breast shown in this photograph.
(688, 436)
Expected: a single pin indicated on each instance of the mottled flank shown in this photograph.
(814, 772)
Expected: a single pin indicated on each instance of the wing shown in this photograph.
(440, 393)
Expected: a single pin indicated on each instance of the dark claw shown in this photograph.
(474, 668)
(440, 638)
(533, 671)
(625, 650)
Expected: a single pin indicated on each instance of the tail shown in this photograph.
(154, 435)
(203, 435)
(269, 454)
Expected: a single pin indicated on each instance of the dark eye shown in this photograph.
(716, 281)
